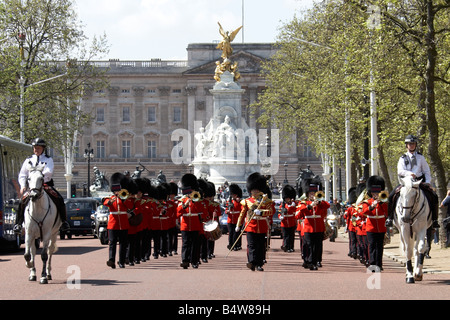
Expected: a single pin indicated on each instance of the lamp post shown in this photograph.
(285, 182)
(88, 154)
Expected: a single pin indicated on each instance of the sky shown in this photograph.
(148, 29)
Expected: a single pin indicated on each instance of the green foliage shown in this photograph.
(54, 45)
(322, 70)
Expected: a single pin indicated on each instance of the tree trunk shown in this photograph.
(430, 100)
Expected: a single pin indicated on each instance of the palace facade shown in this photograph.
(146, 101)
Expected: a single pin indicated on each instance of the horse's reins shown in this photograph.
(414, 205)
(40, 223)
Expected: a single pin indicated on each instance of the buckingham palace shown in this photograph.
(134, 118)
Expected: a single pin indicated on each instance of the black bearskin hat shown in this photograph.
(256, 181)
(203, 187)
(162, 191)
(375, 184)
(116, 181)
(189, 183)
(352, 196)
(211, 190)
(235, 189)
(288, 192)
(173, 188)
(142, 184)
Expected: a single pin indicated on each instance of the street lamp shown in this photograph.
(88, 154)
(285, 182)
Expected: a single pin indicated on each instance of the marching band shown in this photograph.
(143, 216)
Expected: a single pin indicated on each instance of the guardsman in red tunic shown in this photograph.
(164, 210)
(361, 236)
(135, 221)
(214, 214)
(313, 211)
(233, 211)
(350, 216)
(120, 207)
(376, 211)
(256, 210)
(173, 231)
(191, 210)
(287, 216)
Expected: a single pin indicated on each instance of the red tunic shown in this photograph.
(314, 217)
(233, 212)
(193, 216)
(258, 224)
(118, 212)
(376, 218)
(289, 219)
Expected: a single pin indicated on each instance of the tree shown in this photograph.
(328, 62)
(53, 45)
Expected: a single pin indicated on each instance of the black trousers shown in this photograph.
(314, 241)
(120, 236)
(190, 246)
(288, 237)
(173, 239)
(352, 242)
(232, 236)
(256, 247)
(376, 241)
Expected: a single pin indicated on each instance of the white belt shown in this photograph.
(258, 218)
(160, 217)
(191, 214)
(234, 212)
(313, 217)
(376, 217)
(288, 215)
(119, 212)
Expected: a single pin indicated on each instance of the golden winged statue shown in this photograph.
(227, 38)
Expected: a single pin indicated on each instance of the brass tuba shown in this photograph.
(384, 196)
(124, 194)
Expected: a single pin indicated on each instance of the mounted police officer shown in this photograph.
(40, 156)
(414, 164)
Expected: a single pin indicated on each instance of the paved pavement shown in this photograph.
(438, 263)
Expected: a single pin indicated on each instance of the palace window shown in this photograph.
(151, 116)
(151, 149)
(101, 152)
(177, 114)
(126, 149)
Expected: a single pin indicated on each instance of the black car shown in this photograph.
(276, 221)
(79, 212)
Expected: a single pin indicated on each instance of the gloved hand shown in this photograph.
(237, 229)
(257, 212)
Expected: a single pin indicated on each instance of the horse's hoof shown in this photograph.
(49, 277)
(418, 277)
(32, 278)
(44, 281)
(410, 280)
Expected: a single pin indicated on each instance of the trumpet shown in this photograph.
(384, 196)
(124, 194)
(195, 196)
(319, 196)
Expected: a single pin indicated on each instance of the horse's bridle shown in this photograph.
(411, 207)
(38, 190)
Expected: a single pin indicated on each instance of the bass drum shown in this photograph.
(212, 230)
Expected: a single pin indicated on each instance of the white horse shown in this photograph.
(412, 218)
(41, 222)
